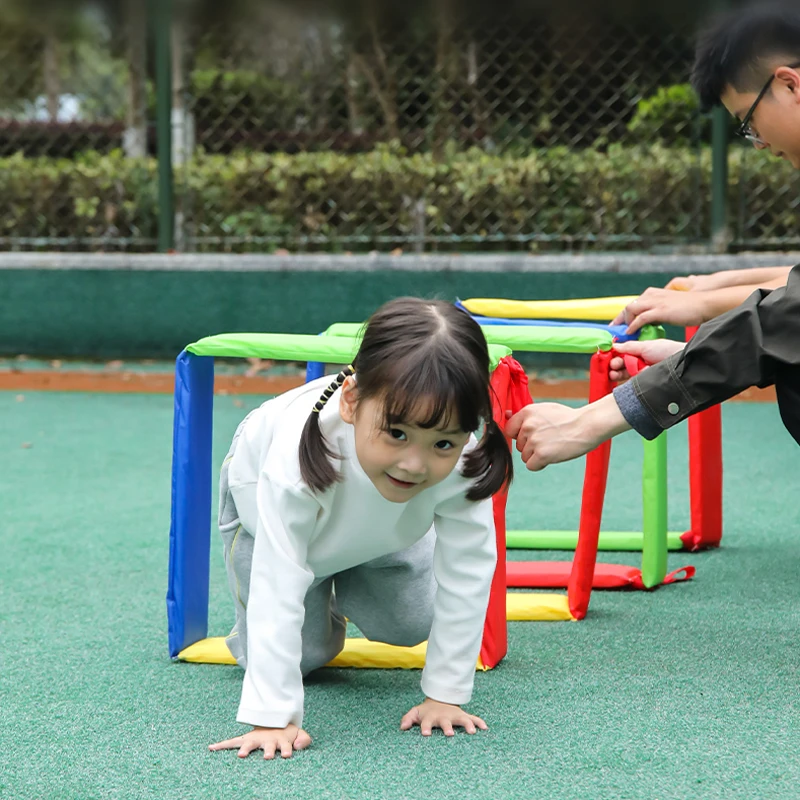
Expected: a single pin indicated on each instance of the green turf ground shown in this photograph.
(687, 692)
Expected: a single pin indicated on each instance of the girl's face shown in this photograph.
(405, 459)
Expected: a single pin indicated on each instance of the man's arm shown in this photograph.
(549, 433)
(669, 307)
(764, 277)
(742, 348)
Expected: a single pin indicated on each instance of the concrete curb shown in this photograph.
(626, 263)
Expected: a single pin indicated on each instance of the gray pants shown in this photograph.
(389, 599)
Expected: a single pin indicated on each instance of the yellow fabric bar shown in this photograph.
(591, 309)
(537, 607)
(520, 606)
(208, 651)
(362, 653)
(357, 653)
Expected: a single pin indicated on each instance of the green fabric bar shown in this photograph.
(650, 332)
(295, 347)
(535, 339)
(522, 338)
(279, 346)
(345, 329)
(495, 333)
(654, 506)
(618, 541)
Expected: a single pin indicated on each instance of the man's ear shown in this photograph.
(790, 77)
(348, 400)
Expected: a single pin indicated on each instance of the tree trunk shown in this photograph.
(385, 88)
(480, 114)
(134, 141)
(183, 138)
(52, 79)
(355, 118)
(444, 121)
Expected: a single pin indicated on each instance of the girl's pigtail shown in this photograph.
(491, 462)
(316, 468)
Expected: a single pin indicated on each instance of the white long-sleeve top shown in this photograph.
(301, 535)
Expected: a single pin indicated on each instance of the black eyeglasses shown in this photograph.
(744, 130)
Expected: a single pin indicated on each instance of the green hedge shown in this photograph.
(646, 194)
(670, 116)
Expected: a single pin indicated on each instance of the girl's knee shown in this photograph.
(401, 633)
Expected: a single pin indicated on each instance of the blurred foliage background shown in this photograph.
(365, 125)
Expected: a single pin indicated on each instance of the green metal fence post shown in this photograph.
(720, 236)
(161, 16)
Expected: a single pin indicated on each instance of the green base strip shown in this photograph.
(567, 540)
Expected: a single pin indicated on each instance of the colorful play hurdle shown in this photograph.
(190, 529)
(652, 540)
(705, 435)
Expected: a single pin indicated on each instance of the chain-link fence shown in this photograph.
(75, 127)
(368, 126)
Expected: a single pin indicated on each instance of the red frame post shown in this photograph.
(705, 476)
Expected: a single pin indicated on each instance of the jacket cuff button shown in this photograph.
(673, 408)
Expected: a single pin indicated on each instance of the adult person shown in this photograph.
(748, 60)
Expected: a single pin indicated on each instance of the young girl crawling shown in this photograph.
(366, 498)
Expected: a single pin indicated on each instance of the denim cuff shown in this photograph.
(635, 412)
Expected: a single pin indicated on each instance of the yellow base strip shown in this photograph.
(362, 653)
(208, 651)
(537, 607)
(598, 309)
(357, 653)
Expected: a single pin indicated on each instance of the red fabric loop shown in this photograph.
(633, 364)
(676, 577)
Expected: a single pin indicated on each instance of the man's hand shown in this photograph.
(549, 433)
(432, 714)
(664, 306)
(650, 352)
(271, 740)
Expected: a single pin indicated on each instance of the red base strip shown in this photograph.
(555, 575)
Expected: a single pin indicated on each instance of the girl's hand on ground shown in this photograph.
(650, 352)
(432, 714)
(271, 740)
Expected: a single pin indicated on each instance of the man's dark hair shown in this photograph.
(741, 48)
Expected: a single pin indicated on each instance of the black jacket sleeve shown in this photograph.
(744, 347)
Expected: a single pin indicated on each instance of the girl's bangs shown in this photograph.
(435, 398)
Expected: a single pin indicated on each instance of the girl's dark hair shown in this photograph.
(422, 356)
(740, 47)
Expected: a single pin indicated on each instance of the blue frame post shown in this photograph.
(314, 370)
(190, 524)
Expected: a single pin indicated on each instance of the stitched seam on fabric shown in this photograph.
(681, 387)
